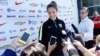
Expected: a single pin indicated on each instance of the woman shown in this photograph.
(96, 20)
(52, 27)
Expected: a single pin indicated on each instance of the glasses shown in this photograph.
(82, 12)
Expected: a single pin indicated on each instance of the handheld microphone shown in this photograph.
(66, 34)
(75, 28)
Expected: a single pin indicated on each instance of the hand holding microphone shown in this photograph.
(63, 32)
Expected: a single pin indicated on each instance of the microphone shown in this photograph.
(66, 34)
(72, 51)
(71, 36)
(75, 28)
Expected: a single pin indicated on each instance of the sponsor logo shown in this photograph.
(32, 28)
(3, 39)
(11, 16)
(11, 31)
(45, 11)
(27, 0)
(33, 33)
(2, 24)
(0, 16)
(60, 7)
(23, 29)
(13, 37)
(39, 16)
(59, 11)
(33, 40)
(31, 11)
(45, 15)
(1, 9)
(64, 6)
(65, 15)
(33, 4)
(2, 32)
(38, 27)
(18, 3)
(19, 23)
(32, 22)
(3, 2)
(21, 16)
(22, 10)
(41, 22)
(10, 10)
(43, 5)
(31, 16)
(60, 15)
(66, 19)
(39, 11)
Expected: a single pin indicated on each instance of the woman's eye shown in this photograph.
(53, 12)
(49, 12)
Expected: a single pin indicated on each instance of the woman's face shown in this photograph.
(52, 12)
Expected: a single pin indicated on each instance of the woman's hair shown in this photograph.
(98, 39)
(34, 50)
(52, 4)
(95, 13)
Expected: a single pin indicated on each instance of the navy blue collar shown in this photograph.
(53, 21)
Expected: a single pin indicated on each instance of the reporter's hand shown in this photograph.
(98, 53)
(51, 47)
(78, 44)
(15, 44)
(65, 48)
(80, 35)
(65, 44)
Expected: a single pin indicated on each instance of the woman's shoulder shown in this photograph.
(60, 20)
(45, 23)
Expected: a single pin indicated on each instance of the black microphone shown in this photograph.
(71, 36)
(77, 32)
(75, 28)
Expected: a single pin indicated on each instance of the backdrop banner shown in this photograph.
(17, 16)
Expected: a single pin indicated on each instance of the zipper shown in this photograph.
(55, 24)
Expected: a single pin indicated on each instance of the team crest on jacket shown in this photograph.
(60, 25)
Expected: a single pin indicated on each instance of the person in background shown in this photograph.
(96, 20)
(86, 27)
(52, 27)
